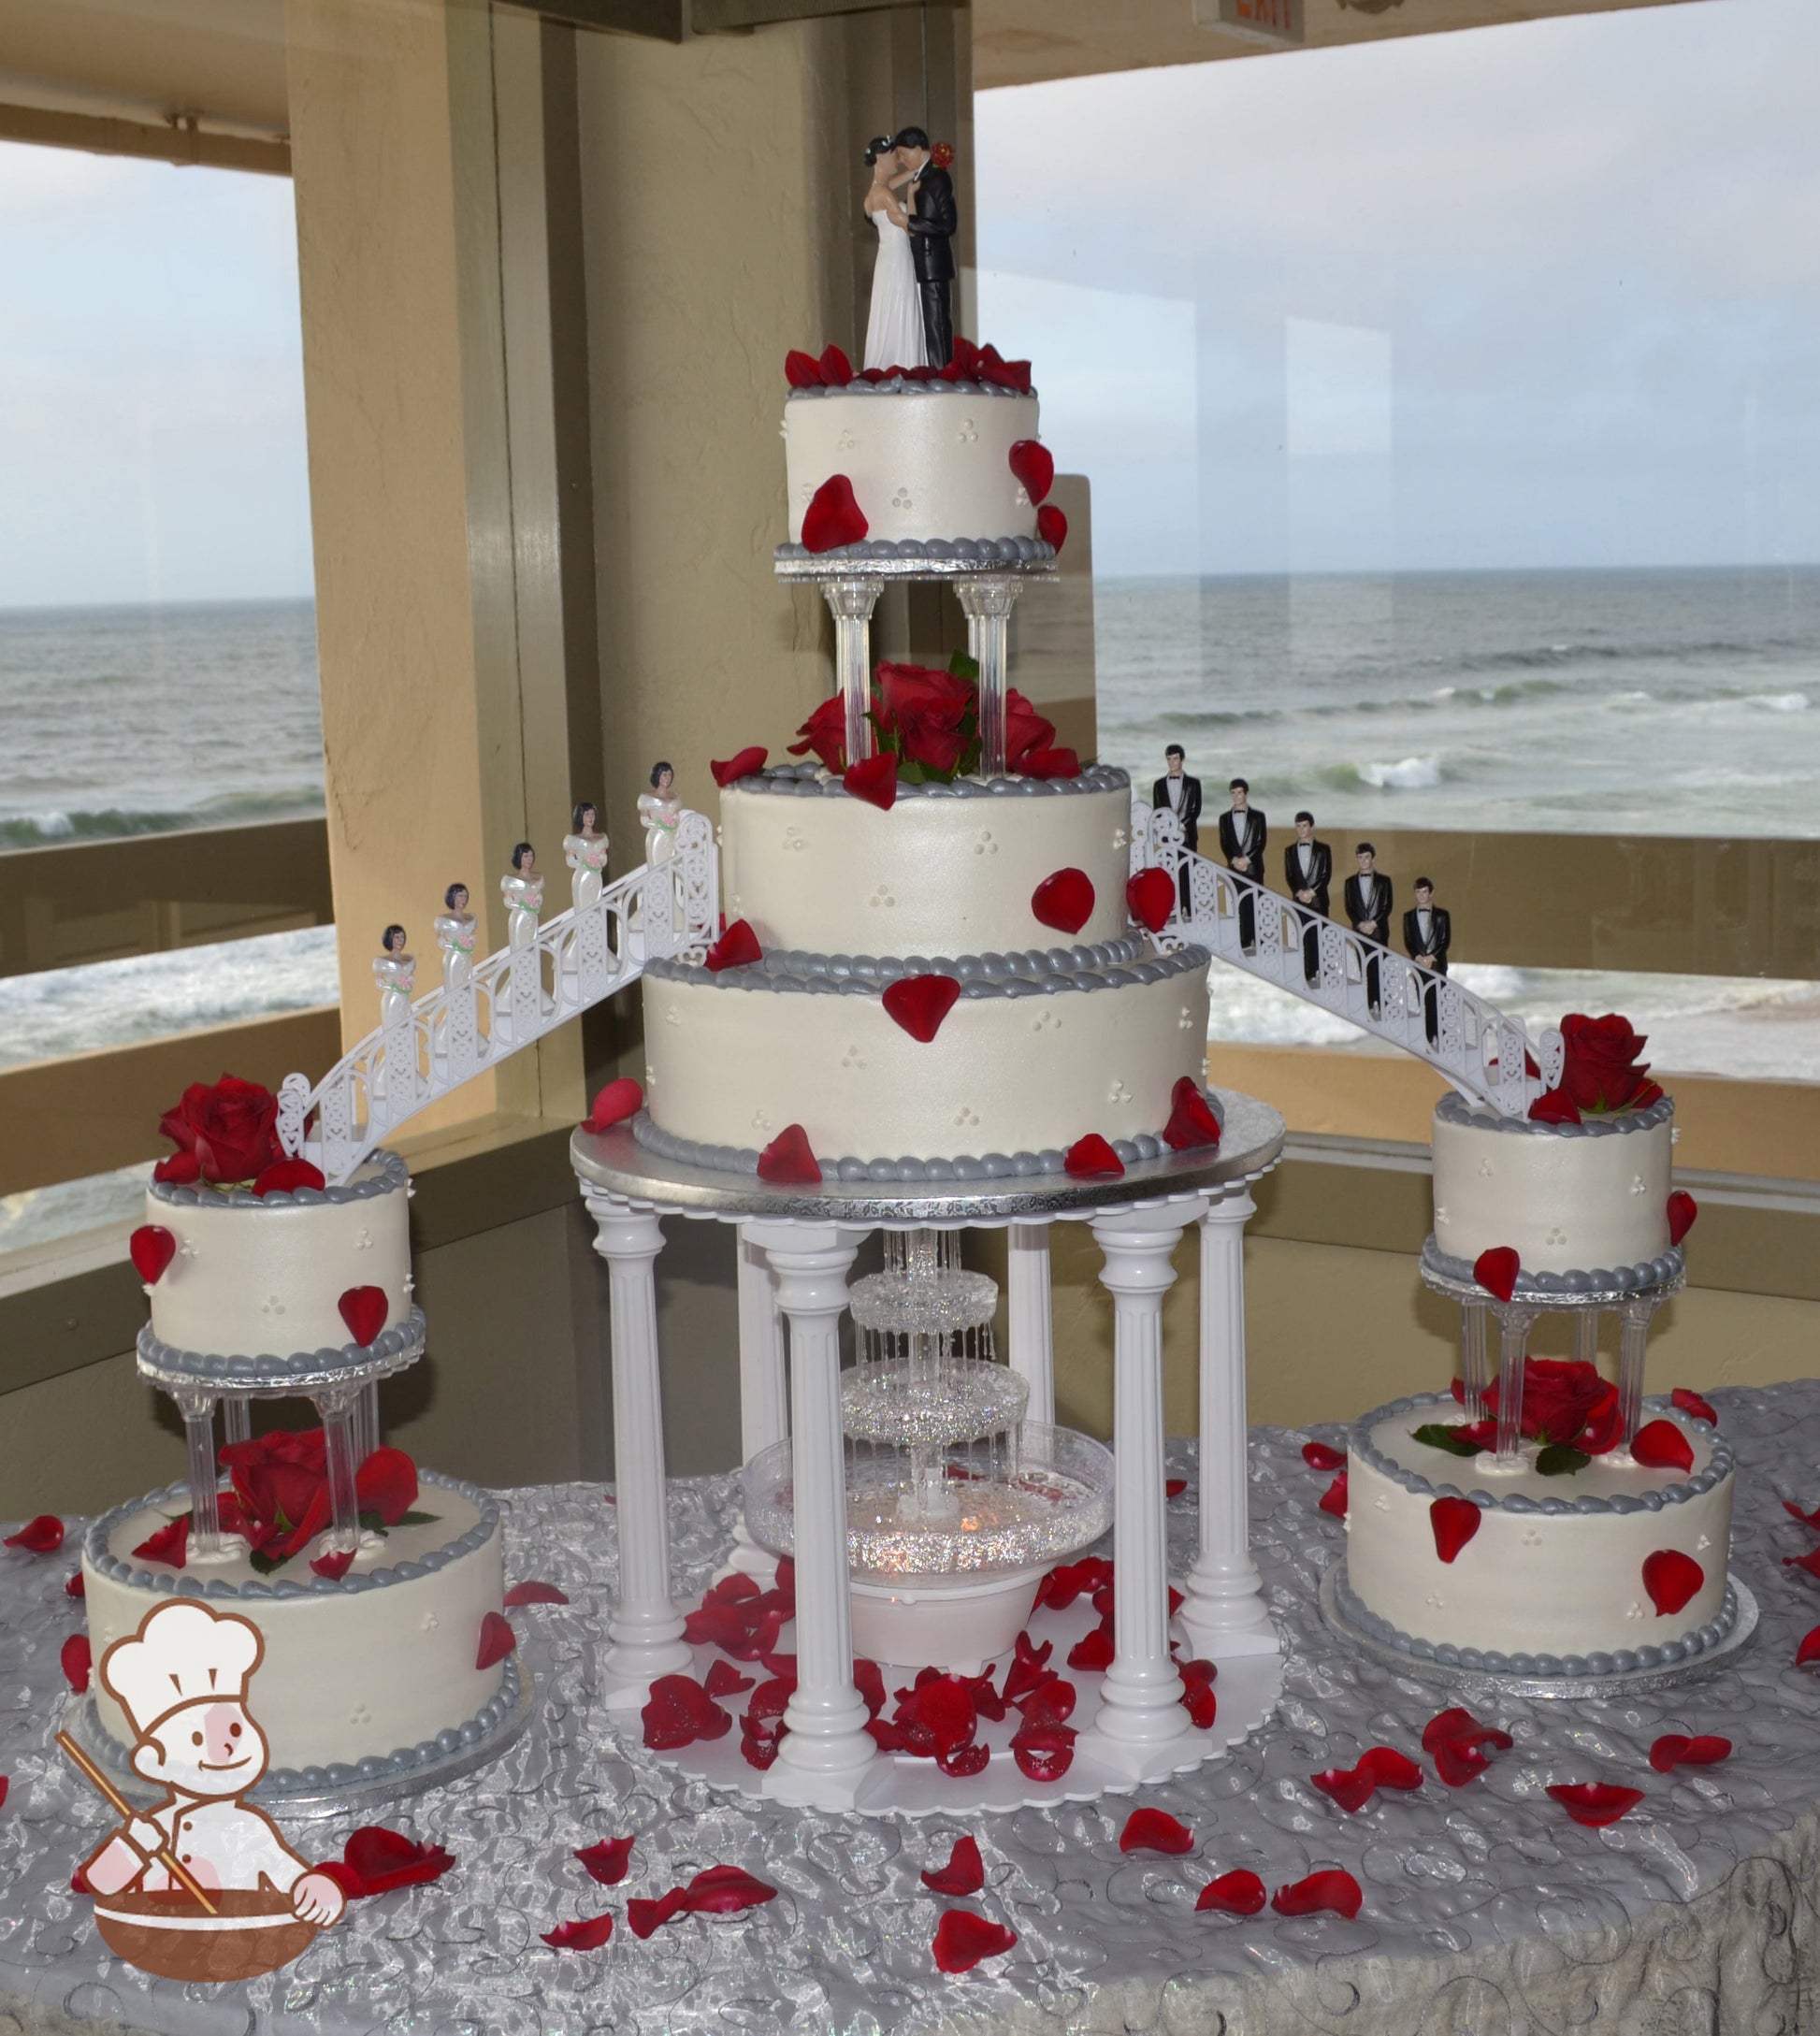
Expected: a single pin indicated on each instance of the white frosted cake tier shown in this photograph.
(1031, 1057)
(257, 1275)
(949, 868)
(926, 460)
(375, 1667)
(1552, 1581)
(1563, 1197)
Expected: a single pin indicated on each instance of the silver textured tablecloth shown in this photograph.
(1486, 1909)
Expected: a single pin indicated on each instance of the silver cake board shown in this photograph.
(1468, 1681)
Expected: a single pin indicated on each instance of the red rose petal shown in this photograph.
(378, 1860)
(959, 1762)
(833, 516)
(1198, 1698)
(77, 1661)
(1496, 1271)
(1808, 1653)
(75, 1587)
(919, 1004)
(1683, 1211)
(736, 949)
(531, 1592)
(285, 1177)
(1192, 1122)
(1048, 764)
(334, 1565)
(1671, 1579)
(1034, 465)
(43, 1535)
(1155, 1830)
(1675, 1750)
(1454, 1522)
(1092, 1159)
(749, 762)
(724, 1680)
(1238, 1893)
(1052, 526)
(150, 1247)
(1092, 1654)
(725, 1891)
(1151, 898)
(872, 779)
(801, 370)
(1453, 1739)
(1685, 1402)
(498, 1641)
(1351, 1788)
(1390, 1768)
(1334, 1499)
(180, 1166)
(1810, 1564)
(386, 1484)
(836, 369)
(962, 1939)
(1322, 1457)
(587, 1935)
(364, 1309)
(643, 1917)
(1044, 1753)
(964, 1874)
(678, 1712)
(1595, 1803)
(1333, 1889)
(1554, 1106)
(1064, 900)
(615, 1102)
(1807, 1519)
(1663, 1444)
(608, 1861)
(1172, 1488)
(788, 1161)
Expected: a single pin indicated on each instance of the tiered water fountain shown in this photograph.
(955, 1503)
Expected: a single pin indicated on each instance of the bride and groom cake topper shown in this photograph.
(911, 203)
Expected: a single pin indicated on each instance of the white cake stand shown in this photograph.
(796, 1246)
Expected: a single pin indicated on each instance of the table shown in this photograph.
(1486, 1909)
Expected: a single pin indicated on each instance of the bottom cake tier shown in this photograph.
(1611, 1568)
(372, 1672)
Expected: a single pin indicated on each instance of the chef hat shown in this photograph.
(182, 1654)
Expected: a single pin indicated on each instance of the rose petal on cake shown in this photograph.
(1351, 1788)
(964, 1874)
(615, 1102)
(285, 1177)
(836, 369)
(182, 1167)
(736, 949)
(1662, 1445)
(1091, 1158)
(334, 1565)
(169, 1543)
(962, 1939)
(1192, 1122)
(1048, 764)
(1155, 1830)
(1334, 1499)
(586, 1935)
(1064, 900)
(386, 1484)
(1595, 1803)
(40, 1536)
(788, 1161)
(1676, 1750)
(150, 1247)
(1052, 526)
(643, 1917)
(1683, 1212)
(725, 1891)
(76, 1661)
(1808, 1653)
(1496, 1271)
(1554, 1106)
(919, 1004)
(1034, 465)
(364, 1309)
(872, 779)
(607, 1861)
(1671, 1579)
(1390, 1768)
(1454, 1522)
(1151, 898)
(1238, 1893)
(534, 1592)
(497, 1639)
(801, 370)
(1686, 1402)
(1044, 1753)
(746, 762)
(833, 516)
(1333, 1888)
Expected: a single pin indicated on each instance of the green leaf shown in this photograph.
(1438, 1436)
(418, 1519)
(262, 1563)
(961, 666)
(373, 1522)
(1558, 1461)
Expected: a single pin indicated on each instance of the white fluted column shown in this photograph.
(764, 1390)
(645, 1631)
(1029, 1315)
(1141, 1730)
(827, 1752)
(1223, 1611)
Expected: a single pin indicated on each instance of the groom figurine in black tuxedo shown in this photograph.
(1427, 934)
(932, 223)
(1243, 836)
(1369, 900)
(1182, 794)
(1308, 871)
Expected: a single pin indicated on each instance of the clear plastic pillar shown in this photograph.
(198, 1412)
(1513, 1345)
(1475, 1358)
(1632, 1349)
(337, 1409)
(235, 1418)
(987, 604)
(1587, 1336)
(851, 603)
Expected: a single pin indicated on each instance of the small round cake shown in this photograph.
(1611, 1568)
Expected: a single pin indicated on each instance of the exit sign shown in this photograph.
(1278, 22)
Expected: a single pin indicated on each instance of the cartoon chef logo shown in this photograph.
(203, 1886)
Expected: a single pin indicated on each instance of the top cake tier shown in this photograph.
(926, 459)
(255, 1276)
(950, 870)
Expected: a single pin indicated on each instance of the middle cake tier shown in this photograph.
(1037, 1049)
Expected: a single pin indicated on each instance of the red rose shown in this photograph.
(1026, 731)
(1567, 1402)
(824, 732)
(928, 717)
(1600, 1069)
(231, 1128)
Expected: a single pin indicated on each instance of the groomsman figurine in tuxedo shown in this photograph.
(1242, 838)
(932, 223)
(1427, 934)
(1182, 794)
(1368, 903)
(1308, 871)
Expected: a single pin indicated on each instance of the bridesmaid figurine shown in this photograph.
(455, 935)
(522, 893)
(659, 812)
(394, 972)
(585, 850)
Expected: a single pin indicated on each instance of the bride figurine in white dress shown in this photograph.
(894, 331)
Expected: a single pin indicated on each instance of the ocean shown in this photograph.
(1645, 703)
